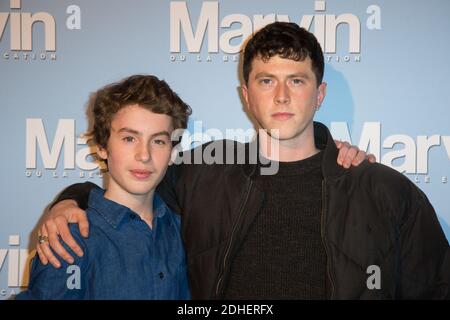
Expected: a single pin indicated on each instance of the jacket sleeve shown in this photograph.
(78, 192)
(424, 255)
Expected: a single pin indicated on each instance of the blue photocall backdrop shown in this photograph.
(387, 71)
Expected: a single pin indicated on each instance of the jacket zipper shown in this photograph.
(322, 233)
(241, 211)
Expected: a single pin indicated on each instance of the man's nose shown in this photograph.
(282, 94)
(143, 153)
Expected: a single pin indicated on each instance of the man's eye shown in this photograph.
(159, 142)
(297, 81)
(265, 81)
(128, 139)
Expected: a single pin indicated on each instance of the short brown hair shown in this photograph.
(146, 91)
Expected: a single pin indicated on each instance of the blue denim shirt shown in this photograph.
(123, 257)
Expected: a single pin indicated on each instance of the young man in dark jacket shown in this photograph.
(312, 230)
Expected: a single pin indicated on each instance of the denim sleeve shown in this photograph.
(69, 282)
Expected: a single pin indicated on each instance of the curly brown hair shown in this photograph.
(145, 90)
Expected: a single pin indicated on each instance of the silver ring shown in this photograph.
(42, 239)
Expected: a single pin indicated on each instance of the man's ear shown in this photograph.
(321, 93)
(245, 95)
(102, 152)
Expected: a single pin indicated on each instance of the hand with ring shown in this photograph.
(55, 228)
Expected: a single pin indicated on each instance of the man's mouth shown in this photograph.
(140, 174)
(282, 116)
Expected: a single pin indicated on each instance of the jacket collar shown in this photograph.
(251, 166)
(325, 142)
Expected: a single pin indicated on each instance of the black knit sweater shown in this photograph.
(282, 256)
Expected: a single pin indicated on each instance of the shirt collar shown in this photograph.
(115, 213)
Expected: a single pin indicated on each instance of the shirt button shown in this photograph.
(161, 275)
